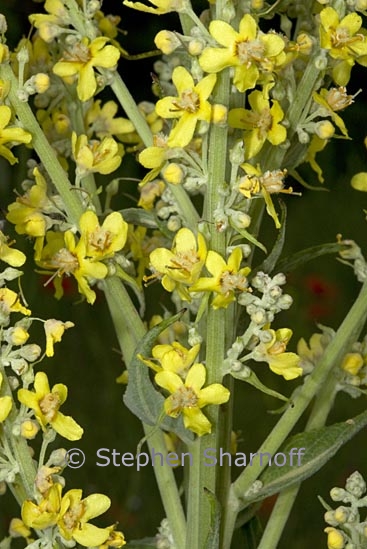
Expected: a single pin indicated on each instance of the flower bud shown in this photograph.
(30, 352)
(195, 47)
(356, 485)
(352, 363)
(240, 220)
(167, 41)
(174, 223)
(338, 494)
(219, 114)
(173, 173)
(41, 82)
(324, 129)
(335, 538)
(29, 429)
(341, 514)
(17, 336)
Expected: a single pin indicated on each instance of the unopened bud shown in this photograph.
(173, 174)
(167, 41)
(324, 129)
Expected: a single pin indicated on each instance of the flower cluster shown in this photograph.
(346, 526)
(351, 374)
(184, 380)
(26, 412)
(238, 109)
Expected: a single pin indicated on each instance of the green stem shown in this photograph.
(299, 106)
(201, 476)
(130, 329)
(346, 335)
(285, 501)
(42, 147)
(167, 488)
(131, 109)
(23, 487)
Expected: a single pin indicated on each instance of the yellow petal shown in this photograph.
(67, 427)
(5, 407)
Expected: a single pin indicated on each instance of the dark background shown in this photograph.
(87, 360)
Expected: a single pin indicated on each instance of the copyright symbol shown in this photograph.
(74, 458)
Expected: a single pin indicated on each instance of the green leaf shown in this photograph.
(139, 216)
(300, 258)
(253, 380)
(300, 180)
(141, 397)
(319, 445)
(267, 266)
(250, 238)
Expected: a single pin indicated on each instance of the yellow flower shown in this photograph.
(162, 6)
(93, 156)
(255, 182)
(103, 241)
(80, 61)
(102, 121)
(12, 257)
(10, 134)
(10, 303)
(155, 157)
(54, 330)
(273, 352)
(51, 24)
(345, 40)
(317, 145)
(6, 403)
(107, 24)
(249, 50)
(188, 398)
(45, 513)
(115, 539)
(46, 404)
(261, 123)
(190, 106)
(172, 357)
(226, 280)
(28, 212)
(67, 257)
(75, 513)
(332, 100)
(181, 266)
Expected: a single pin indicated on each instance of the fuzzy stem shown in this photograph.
(23, 486)
(42, 147)
(298, 108)
(130, 329)
(278, 519)
(201, 476)
(346, 335)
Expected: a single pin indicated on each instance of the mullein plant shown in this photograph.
(239, 107)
